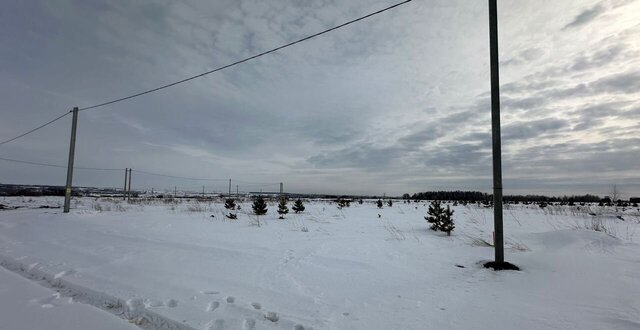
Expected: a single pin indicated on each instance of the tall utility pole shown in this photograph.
(124, 191)
(175, 191)
(129, 190)
(281, 190)
(495, 133)
(237, 191)
(202, 191)
(72, 150)
(229, 187)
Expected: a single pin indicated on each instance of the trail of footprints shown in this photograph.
(248, 323)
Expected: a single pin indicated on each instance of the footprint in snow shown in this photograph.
(248, 324)
(256, 305)
(231, 299)
(217, 325)
(172, 303)
(211, 292)
(152, 303)
(64, 273)
(212, 306)
(272, 316)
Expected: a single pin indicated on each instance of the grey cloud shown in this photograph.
(532, 129)
(597, 59)
(523, 103)
(346, 106)
(419, 138)
(360, 156)
(458, 156)
(627, 82)
(525, 56)
(585, 17)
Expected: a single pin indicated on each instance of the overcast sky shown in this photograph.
(396, 103)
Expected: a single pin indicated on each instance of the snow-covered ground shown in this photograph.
(174, 266)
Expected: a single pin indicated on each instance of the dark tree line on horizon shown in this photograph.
(476, 196)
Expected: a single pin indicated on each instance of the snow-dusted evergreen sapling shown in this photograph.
(390, 203)
(282, 207)
(298, 206)
(434, 214)
(379, 203)
(446, 221)
(259, 206)
(230, 204)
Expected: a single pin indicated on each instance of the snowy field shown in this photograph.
(171, 265)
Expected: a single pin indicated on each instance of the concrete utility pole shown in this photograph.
(72, 150)
(237, 191)
(202, 191)
(129, 190)
(495, 132)
(124, 190)
(229, 187)
(281, 190)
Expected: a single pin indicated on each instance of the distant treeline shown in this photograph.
(36, 190)
(476, 196)
(458, 195)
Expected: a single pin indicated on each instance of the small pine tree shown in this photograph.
(282, 208)
(298, 206)
(379, 203)
(259, 206)
(434, 214)
(390, 203)
(446, 221)
(360, 201)
(230, 204)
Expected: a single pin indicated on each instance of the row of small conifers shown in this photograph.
(440, 218)
(260, 207)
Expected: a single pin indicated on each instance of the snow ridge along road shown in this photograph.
(128, 310)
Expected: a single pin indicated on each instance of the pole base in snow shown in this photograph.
(501, 265)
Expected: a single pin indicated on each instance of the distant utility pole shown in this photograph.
(175, 191)
(495, 133)
(72, 150)
(129, 191)
(124, 190)
(237, 194)
(202, 191)
(281, 188)
(229, 187)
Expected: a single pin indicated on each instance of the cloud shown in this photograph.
(532, 129)
(525, 56)
(597, 59)
(396, 103)
(585, 17)
(359, 156)
(626, 82)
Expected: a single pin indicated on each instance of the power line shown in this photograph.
(257, 183)
(37, 128)
(178, 177)
(59, 166)
(245, 59)
(211, 71)
(244, 183)
(261, 184)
